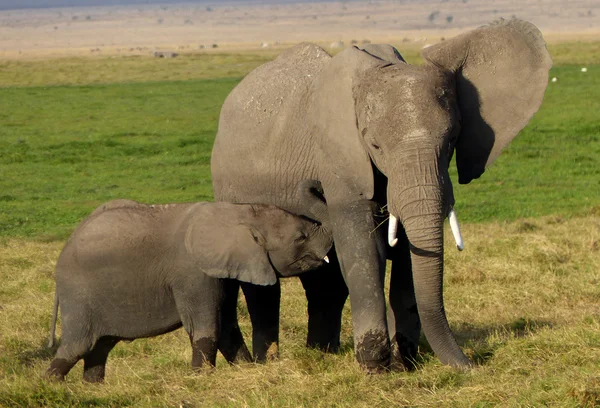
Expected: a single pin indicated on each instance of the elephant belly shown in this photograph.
(141, 321)
(132, 314)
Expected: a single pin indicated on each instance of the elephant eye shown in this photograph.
(300, 238)
(375, 146)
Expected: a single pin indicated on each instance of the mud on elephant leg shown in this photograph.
(404, 323)
(204, 352)
(94, 363)
(361, 250)
(231, 341)
(200, 316)
(326, 293)
(263, 306)
(73, 347)
(60, 367)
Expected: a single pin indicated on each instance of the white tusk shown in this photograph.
(326, 259)
(456, 230)
(393, 231)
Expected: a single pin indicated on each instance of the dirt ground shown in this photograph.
(141, 29)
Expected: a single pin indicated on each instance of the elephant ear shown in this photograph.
(312, 198)
(232, 251)
(501, 73)
(332, 106)
(384, 52)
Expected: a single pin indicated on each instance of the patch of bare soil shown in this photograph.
(183, 27)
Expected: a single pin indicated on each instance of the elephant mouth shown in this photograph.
(393, 230)
(303, 264)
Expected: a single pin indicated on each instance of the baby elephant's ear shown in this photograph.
(235, 252)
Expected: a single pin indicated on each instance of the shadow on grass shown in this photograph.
(29, 356)
(477, 338)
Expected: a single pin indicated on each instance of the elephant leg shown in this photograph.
(75, 343)
(263, 306)
(360, 248)
(204, 351)
(403, 317)
(199, 301)
(326, 293)
(231, 342)
(94, 362)
(60, 367)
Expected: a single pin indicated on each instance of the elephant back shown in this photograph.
(266, 90)
(252, 119)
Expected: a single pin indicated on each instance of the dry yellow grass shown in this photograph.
(523, 299)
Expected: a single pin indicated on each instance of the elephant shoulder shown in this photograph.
(309, 56)
(265, 91)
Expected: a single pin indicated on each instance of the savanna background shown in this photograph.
(88, 115)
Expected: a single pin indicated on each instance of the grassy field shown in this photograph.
(523, 298)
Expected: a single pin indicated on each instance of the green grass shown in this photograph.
(522, 298)
(99, 70)
(66, 149)
(553, 166)
(580, 53)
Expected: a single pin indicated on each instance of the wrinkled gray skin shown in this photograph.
(132, 270)
(376, 131)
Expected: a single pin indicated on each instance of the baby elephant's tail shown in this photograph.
(51, 340)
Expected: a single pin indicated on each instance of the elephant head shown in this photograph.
(254, 243)
(473, 95)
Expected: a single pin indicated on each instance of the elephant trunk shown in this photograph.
(421, 204)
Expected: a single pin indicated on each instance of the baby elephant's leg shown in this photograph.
(60, 367)
(75, 343)
(204, 352)
(198, 302)
(94, 363)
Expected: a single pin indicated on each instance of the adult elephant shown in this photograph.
(379, 135)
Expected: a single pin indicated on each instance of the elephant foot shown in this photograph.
(324, 332)
(59, 368)
(328, 347)
(204, 353)
(94, 374)
(325, 341)
(404, 353)
(231, 344)
(373, 352)
(242, 356)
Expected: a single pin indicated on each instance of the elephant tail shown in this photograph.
(51, 340)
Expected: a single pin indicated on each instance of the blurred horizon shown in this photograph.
(35, 4)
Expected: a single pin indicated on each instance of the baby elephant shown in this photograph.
(132, 270)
